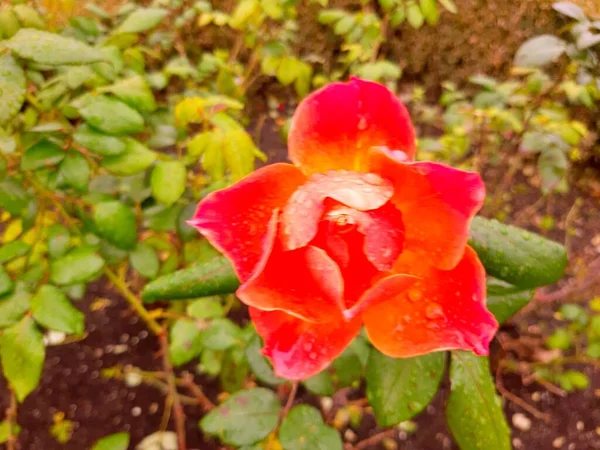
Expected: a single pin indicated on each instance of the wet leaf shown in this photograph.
(539, 51)
(79, 266)
(74, 171)
(304, 429)
(244, 418)
(44, 153)
(400, 388)
(135, 159)
(13, 250)
(112, 116)
(12, 197)
(142, 19)
(505, 300)
(52, 49)
(134, 91)
(213, 277)
(13, 308)
(98, 142)
(474, 411)
(517, 256)
(12, 87)
(6, 283)
(185, 341)
(54, 311)
(145, 261)
(260, 365)
(22, 354)
(116, 223)
(168, 181)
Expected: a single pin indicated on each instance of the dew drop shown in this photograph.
(434, 312)
(307, 346)
(414, 295)
(312, 355)
(362, 123)
(372, 178)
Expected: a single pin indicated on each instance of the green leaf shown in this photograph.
(505, 300)
(517, 256)
(12, 250)
(222, 335)
(53, 310)
(561, 339)
(259, 364)
(539, 51)
(136, 158)
(288, 70)
(185, 341)
(12, 87)
(474, 411)
(44, 153)
(320, 384)
(112, 116)
(98, 142)
(242, 13)
(430, 11)
(22, 353)
(134, 91)
(145, 261)
(206, 308)
(168, 181)
(117, 441)
(6, 283)
(234, 369)
(330, 15)
(59, 241)
(214, 277)
(344, 25)
(116, 223)
(12, 197)
(74, 171)
(29, 17)
(78, 266)
(400, 388)
(142, 19)
(303, 429)
(244, 418)
(13, 308)
(5, 431)
(239, 152)
(52, 49)
(9, 23)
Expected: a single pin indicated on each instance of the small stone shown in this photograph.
(536, 396)
(580, 425)
(389, 444)
(350, 435)
(559, 442)
(517, 443)
(521, 421)
(326, 404)
(136, 411)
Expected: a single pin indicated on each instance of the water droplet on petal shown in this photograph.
(307, 346)
(312, 355)
(372, 178)
(434, 312)
(414, 295)
(362, 123)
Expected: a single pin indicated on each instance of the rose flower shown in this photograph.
(354, 233)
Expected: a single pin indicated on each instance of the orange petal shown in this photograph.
(437, 204)
(303, 212)
(235, 220)
(442, 311)
(383, 290)
(305, 283)
(299, 349)
(335, 127)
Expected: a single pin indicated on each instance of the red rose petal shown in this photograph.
(437, 204)
(335, 127)
(300, 349)
(444, 310)
(305, 283)
(235, 220)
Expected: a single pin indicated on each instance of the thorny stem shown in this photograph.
(188, 382)
(290, 400)
(11, 420)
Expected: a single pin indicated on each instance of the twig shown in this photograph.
(375, 439)
(11, 420)
(187, 380)
(178, 413)
(518, 400)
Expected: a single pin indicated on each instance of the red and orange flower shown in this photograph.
(353, 233)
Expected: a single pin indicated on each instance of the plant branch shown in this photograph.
(375, 439)
(187, 381)
(178, 413)
(11, 420)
